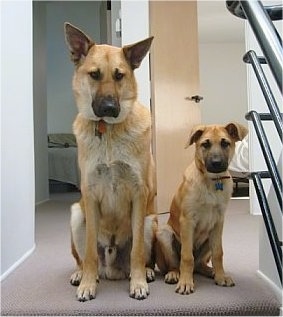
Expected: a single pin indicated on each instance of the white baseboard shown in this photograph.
(241, 198)
(17, 263)
(276, 289)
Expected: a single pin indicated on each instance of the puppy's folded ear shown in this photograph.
(236, 131)
(78, 42)
(196, 133)
(135, 53)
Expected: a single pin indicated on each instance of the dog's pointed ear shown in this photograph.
(135, 53)
(236, 131)
(196, 133)
(78, 42)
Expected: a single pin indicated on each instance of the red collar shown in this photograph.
(220, 177)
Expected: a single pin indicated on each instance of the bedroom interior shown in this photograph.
(49, 292)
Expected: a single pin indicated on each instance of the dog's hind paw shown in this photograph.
(150, 275)
(172, 277)
(76, 277)
(139, 290)
(224, 281)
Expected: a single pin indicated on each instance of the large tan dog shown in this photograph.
(112, 229)
(193, 234)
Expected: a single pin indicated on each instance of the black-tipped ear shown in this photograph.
(135, 53)
(196, 133)
(236, 131)
(78, 42)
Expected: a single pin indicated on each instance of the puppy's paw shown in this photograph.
(172, 277)
(138, 289)
(86, 291)
(76, 277)
(185, 287)
(224, 280)
(205, 270)
(150, 275)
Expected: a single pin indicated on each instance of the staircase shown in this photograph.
(260, 19)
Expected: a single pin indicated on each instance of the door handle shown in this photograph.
(195, 98)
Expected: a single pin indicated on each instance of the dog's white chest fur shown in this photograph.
(113, 184)
(113, 175)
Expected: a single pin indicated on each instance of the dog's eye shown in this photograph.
(206, 144)
(96, 75)
(224, 144)
(118, 75)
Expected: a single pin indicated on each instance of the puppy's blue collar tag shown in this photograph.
(218, 182)
(219, 185)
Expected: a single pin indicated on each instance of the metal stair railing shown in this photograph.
(260, 19)
(251, 57)
(264, 31)
(275, 243)
(267, 153)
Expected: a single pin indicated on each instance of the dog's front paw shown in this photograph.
(138, 289)
(185, 287)
(224, 280)
(86, 291)
(172, 277)
(150, 275)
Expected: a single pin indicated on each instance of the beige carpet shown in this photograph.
(40, 286)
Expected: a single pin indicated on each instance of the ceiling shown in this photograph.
(217, 24)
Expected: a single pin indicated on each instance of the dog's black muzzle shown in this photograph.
(106, 106)
(216, 165)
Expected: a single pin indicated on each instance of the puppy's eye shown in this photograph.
(206, 144)
(224, 143)
(118, 75)
(96, 75)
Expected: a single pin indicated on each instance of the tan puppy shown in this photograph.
(112, 229)
(193, 235)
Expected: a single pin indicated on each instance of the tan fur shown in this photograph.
(193, 232)
(113, 225)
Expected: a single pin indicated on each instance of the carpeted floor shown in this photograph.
(40, 286)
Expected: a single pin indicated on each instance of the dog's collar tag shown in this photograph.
(100, 128)
(219, 183)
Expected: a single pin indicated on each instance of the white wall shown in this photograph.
(61, 108)
(223, 82)
(135, 13)
(17, 147)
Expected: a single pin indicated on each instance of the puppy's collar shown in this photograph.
(100, 128)
(218, 181)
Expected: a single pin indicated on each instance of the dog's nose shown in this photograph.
(106, 107)
(216, 165)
